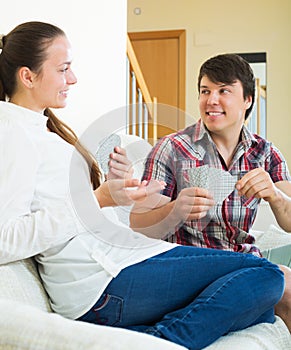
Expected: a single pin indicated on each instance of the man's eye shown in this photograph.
(204, 92)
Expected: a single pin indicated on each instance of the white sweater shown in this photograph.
(48, 209)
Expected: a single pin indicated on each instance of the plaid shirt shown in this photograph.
(227, 225)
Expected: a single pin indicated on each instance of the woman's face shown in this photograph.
(52, 84)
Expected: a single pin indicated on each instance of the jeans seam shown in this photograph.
(161, 327)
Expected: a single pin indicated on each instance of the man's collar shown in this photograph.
(201, 131)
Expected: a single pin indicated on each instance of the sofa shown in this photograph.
(28, 323)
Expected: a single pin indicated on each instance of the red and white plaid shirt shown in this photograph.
(227, 225)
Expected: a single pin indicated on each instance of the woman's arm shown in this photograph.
(28, 235)
(24, 233)
(121, 189)
(119, 192)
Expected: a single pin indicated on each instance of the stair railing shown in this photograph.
(142, 108)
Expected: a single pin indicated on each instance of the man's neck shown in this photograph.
(226, 146)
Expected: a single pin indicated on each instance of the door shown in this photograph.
(161, 56)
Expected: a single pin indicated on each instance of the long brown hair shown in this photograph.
(26, 46)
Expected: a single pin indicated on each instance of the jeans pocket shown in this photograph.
(107, 311)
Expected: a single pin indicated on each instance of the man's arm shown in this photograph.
(281, 205)
(157, 215)
(150, 216)
(258, 183)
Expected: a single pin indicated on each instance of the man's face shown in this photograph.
(222, 106)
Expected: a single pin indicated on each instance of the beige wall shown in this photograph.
(100, 66)
(214, 27)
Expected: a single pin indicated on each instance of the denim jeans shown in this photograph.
(191, 296)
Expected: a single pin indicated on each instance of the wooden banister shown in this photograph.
(142, 89)
(139, 76)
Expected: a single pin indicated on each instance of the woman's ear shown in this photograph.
(26, 76)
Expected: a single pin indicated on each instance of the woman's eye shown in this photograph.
(64, 69)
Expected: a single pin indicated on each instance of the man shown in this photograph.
(245, 167)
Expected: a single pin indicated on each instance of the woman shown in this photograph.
(94, 268)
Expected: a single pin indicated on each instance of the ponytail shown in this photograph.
(66, 133)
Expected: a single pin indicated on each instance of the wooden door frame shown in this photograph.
(181, 36)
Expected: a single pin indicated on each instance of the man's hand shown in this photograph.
(193, 203)
(257, 183)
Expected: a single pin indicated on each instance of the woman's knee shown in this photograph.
(276, 280)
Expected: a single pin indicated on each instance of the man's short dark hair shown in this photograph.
(228, 68)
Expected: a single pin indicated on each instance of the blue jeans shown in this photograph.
(191, 296)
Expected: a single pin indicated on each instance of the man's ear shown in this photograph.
(248, 102)
(26, 76)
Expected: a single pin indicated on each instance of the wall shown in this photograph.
(97, 32)
(214, 27)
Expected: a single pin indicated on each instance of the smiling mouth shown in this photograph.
(215, 114)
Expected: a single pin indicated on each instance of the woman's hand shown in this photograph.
(118, 192)
(120, 166)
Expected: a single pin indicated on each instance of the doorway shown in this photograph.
(162, 58)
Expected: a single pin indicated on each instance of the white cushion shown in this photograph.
(264, 336)
(273, 237)
(19, 281)
(264, 218)
(136, 150)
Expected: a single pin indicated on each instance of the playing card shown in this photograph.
(198, 177)
(106, 146)
(219, 182)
